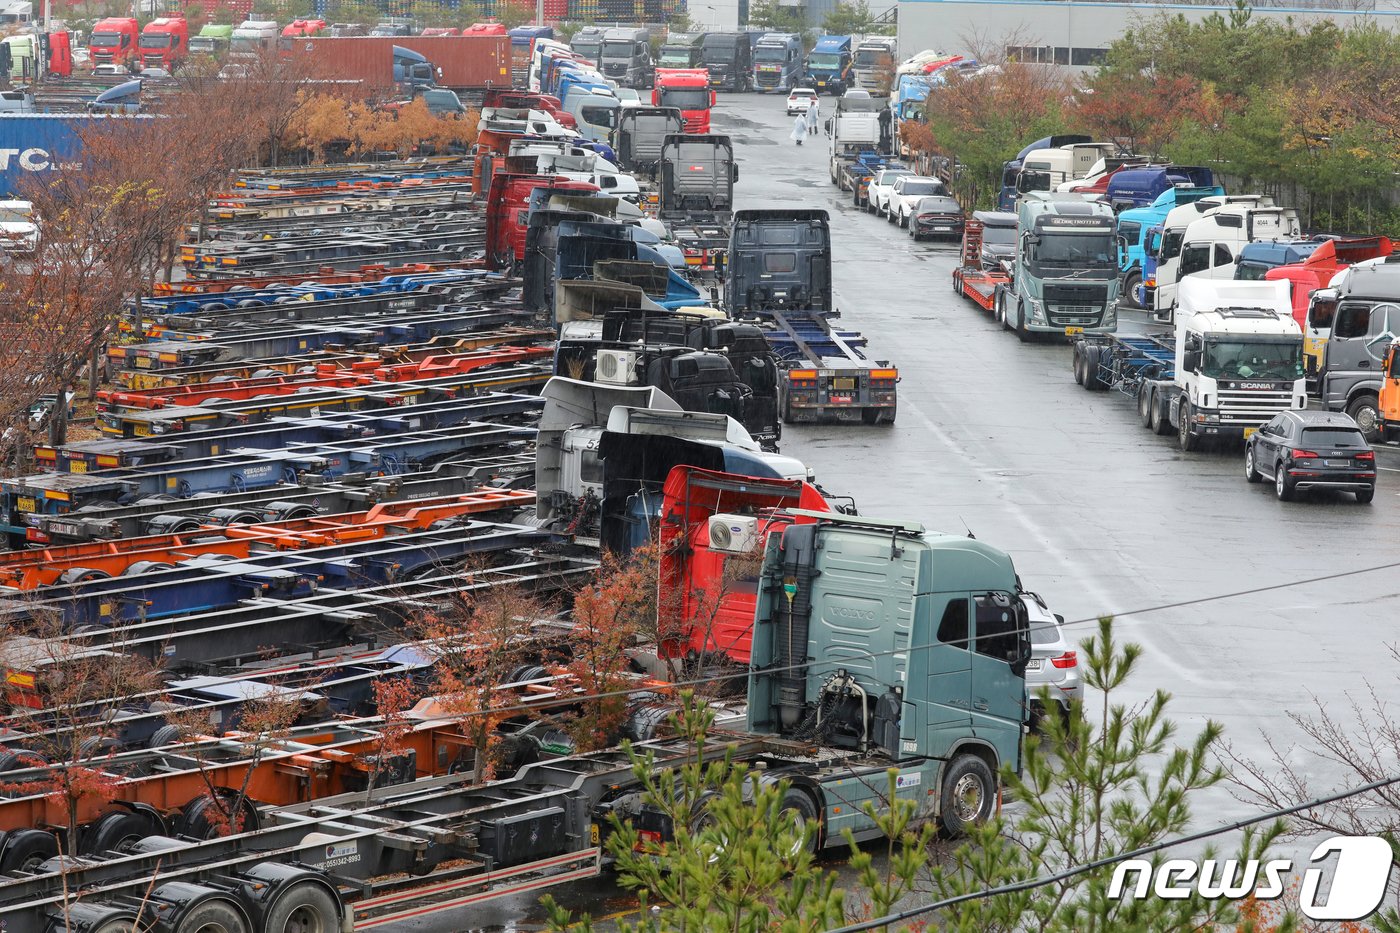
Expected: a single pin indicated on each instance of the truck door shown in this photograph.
(949, 675)
(1000, 641)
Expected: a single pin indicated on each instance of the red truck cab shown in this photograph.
(508, 213)
(441, 31)
(303, 27)
(715, 588)
(165, 42)
(529, 100)
(486, 29)
(687, 89)
(114, 40)
(60, 61)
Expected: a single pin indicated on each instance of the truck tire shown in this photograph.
(968, 795)
(305, 907)
(1077, 364)
(1145, 401)
(1187, 439)
(1128, 296)
(1365, 410)
(804, 815)
(114, 832)
(1161, 424)
(213, 917)
(27, 849)
(1093, 369)
(1022, 334)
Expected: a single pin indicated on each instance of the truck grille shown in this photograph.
(1253, 407)
(768, 79)
(1073, 315)
(694, 125)
(614, 70)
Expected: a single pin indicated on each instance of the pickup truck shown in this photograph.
(907, 192)
(878, 197)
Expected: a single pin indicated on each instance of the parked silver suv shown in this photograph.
(1054, 661)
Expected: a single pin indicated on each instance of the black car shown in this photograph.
(1302, 450)
(936, 215)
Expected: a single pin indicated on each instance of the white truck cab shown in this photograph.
(1168, 245)
(1239, 358)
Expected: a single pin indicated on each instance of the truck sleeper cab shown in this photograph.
(627, 58)
(1365, 319)
(1066, 269)
(777, 62)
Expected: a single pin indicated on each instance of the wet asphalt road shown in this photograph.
(1100, 516)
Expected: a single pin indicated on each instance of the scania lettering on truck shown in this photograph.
(1233, 360)
(688, 90)
(113, 40)
(1065, 277)
(627, 57)
(777, 62)
(873, 64)
(829, 64)
(1364, 301)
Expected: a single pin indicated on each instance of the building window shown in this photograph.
(1088, 56)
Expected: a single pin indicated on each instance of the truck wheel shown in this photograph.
(1251, 475)
(1078, 365)
(1161, 424)
(1283, 486)
(1365, 410)
(1186, 439)
(969, 794)
(213, 917)
(113, 832)
(304, 908)
(27, 849)
(805, 818)
(1022, 334)
(1093, 369)
(1128, 296)
(1145, 403)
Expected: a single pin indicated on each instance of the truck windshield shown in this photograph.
(686, 98)
(244, 44)
(823, 60)
(1074, 250)
(599, 116)
(1253, 359)
(156, 41)
(202, 44)
(587, 49)
(618, 49)
(775, 53)
(675, 58)
(103, 39)
(870, 58)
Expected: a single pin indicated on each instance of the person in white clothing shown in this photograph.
(799, 129)
(814, 116)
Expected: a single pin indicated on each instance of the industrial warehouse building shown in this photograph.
(1077, 34)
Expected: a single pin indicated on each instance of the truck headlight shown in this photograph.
(1110, 317)
(1037, 314)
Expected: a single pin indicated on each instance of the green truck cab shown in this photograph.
(212, 40)
(915, 646)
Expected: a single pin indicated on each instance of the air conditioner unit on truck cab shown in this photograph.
(733, 534)
(617, 367)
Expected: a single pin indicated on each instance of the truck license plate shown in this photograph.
(844, 385)
(1071, 331)
(26, 504)
(77, 466)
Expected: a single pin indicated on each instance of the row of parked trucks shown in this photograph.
(1252, 305)
(318, 437)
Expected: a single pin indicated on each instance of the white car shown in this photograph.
(800, 100)
(877, 199)
(906, 194)
(19, 229)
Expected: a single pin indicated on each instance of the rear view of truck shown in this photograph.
(696, 196)
(779, 272)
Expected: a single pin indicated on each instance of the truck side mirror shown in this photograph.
(733, 172)
(713, 98)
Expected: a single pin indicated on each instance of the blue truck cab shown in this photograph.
(1135, 226)
(1255, 259)
(829, 64)
(777, 61)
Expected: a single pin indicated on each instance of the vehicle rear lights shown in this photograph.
(1366, 455)
(1066, 660)
(1305, 455)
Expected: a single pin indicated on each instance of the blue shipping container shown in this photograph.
(33, 144)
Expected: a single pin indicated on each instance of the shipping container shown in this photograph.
(459, 62)
(35, 144)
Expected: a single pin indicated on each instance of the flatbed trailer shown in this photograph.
(374, 272)
(970, 278)
(167, 514)
(826, 375)
(306, 363)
